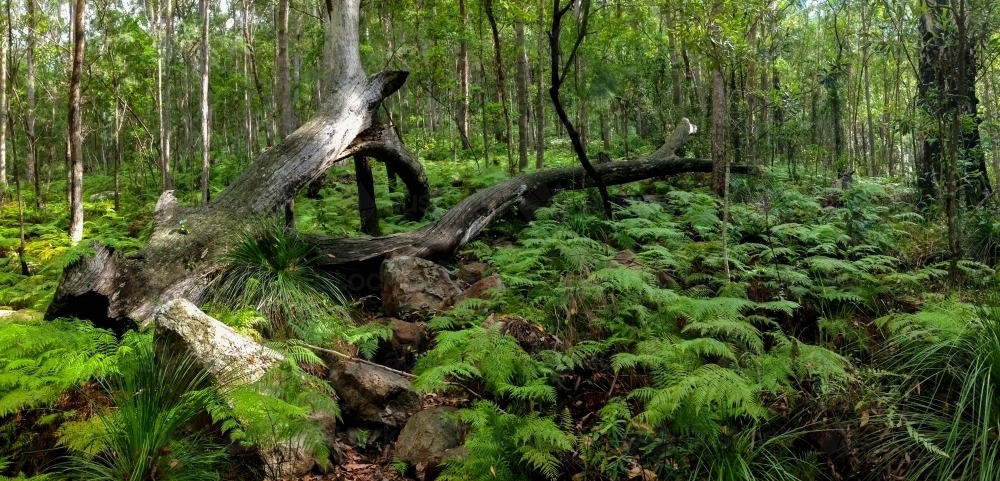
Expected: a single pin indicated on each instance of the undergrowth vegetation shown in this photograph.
(827, 342)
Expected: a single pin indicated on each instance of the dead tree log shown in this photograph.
(186, 244)
(358, 259)
(185, 248)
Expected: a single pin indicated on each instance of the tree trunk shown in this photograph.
(522, 95)
(539, 102)
(4, 40)
(283, 72)
(168, 60)
(75, 129)
(31, 166)
(463, 79)
(719, 120)
(947, 85)
(501, 82)
(206, 130)
(367, 209)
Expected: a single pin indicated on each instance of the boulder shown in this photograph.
(472, 272)
(372, 394)
(481, 289)
(415, 287)
(182, 327)
(407, 335)
(427, 435)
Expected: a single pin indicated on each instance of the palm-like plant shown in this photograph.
(947, 413)
(274, 270)
(150, 433)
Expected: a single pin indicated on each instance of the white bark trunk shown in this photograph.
(75, 127)
(4, 38)
(206, 131)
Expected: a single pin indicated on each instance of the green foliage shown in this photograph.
(274, 271)
(278, 410)
(509, 447)
(149, 434)
(41, 360)
(943, 412)
(485, 354)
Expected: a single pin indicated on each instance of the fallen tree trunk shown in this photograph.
(187, 244)
(113, 290)
(357, 260)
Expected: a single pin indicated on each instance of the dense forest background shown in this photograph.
(806, 290)
(816, 87)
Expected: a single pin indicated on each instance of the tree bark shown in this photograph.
(283, 72)
(463, 79)
(75, 128)
(522, 95)
(719, 120)
(539, 102)
(31, 166)
(168, 129)
(5, 32)
(367, 209)
(206, 130)
(501, 82)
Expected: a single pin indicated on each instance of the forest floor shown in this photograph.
(620, 348)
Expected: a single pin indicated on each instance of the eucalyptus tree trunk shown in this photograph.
(283, 72)
(719, 120)
(206, 130)
(501, 81)
(4, 39)
(539, 98)
(463, 78)
(75, 127)
(31, 166)
(168, 124)
(522, 95)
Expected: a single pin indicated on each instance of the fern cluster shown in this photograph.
(692, 355)
(41, 360)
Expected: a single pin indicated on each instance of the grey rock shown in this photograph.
(426, 435)
(372, 394)
(415, 287)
